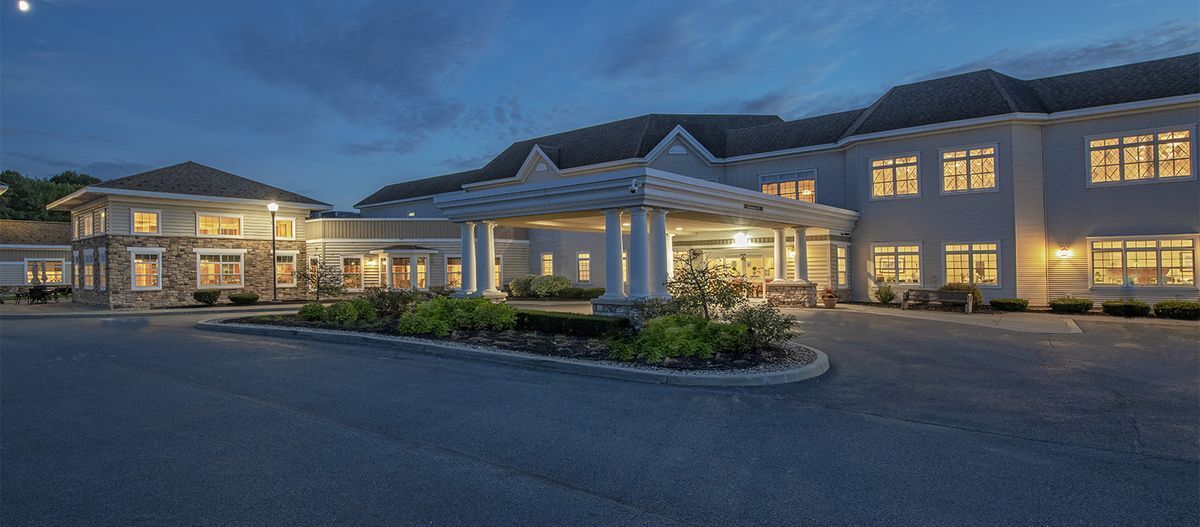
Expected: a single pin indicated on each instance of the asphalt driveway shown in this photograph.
(148, 421)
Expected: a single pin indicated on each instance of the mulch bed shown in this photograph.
(556, 345)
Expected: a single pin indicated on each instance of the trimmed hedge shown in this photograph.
(588, 326)
(207, 296)
(1177, 309)
(1069, 304)
(593, 292)
(244, 298)
(312, 311)
(1126, 308)
(1009, 304)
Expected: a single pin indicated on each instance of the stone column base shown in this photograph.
(618, 307)
(792, 294)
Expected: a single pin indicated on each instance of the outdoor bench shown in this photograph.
(942, 297)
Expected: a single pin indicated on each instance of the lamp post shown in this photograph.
(273, 208)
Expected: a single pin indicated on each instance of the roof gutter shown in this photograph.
(170, 195)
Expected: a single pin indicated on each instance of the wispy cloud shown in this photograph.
(460, 163)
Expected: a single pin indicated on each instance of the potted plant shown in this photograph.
(829, 297)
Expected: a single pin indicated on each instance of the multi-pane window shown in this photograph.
(422, 275)
(400, 272)
(1140, 156)
(841, 274)
(87, 272)
(499, 272)
(972, 263)
(584, 266)
(794, 185)
(102, 269)
(285, 269)
(352, 272)
(1143, 262)
(547, 264)
(83, 224)
(147, 270)
(145, 221)
(897, 264)
(453, 272)
(969, 169)
(895, 176)
(42, 271)
(285, 228)
(219, 270)
(217, 225)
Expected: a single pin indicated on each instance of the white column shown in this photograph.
(485, 261)
(614, 281)
(670, 256)
(412, 272)
(780, 255)
(639, 254)
(659, 257)
(801, 262)
(467, 253)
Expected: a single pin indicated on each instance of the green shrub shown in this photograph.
(394, 303)
(549, 285)
(765, 325)
(884, 293)
(481, 314)
(349, 312)
(593, 292)
(1126, 308)
(571, 293)
(521, 287)
(675, 336)
(976, 296)
(1009, 304)
(588, 326)
(243, 298)
(207, 297)
(1068, 304)
(729, 337)
(312, 311)
(414, 324)
(1177, 309)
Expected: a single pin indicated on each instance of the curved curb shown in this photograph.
(800, 373)
(117, 313)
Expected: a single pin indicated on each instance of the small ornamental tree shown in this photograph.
(706, 288)
(323, 280)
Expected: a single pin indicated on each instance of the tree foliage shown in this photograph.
(323, 280)
(707, 288)
(27, 197)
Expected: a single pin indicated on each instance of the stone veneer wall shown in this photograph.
(92, 296)
(179, 265)
(792, 294)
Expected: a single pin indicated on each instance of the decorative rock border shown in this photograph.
(648, 374)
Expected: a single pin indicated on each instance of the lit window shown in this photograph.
(1136, 157)
(400, 272)
(841, 267)
(352, 273)
(146, 269)
(145, 221)
(584, 265)
(102, 276)
(454, 272)
(422, 275)
(285, 228)
(969, 169)
(44, 271)
(219, 270)
(898, 264)
(217, 225)
(87, 271)
(547, 264)
(499, 273)
(102, 220)
(1143, 262)
(794, 185)
(285, 270)
(83, 226)
(973, 263)
(894, 177)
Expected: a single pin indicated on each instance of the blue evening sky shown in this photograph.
(334, 99)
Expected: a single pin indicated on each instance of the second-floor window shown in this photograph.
(145, 221)
(893, 177)
(285, 228)
(1141, 156)
(969, 169)
(795, 185)
(218, 225)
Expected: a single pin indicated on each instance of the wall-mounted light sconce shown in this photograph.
(740, 239)
(1064, 252)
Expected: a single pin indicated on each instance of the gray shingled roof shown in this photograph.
(199, 180)
(971, 95)
(22, 232)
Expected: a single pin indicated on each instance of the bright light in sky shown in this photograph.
(23, 6)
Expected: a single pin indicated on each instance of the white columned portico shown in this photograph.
(613, 249)
(639, 254)
(485, 259)
(670, 256)
(467, 253)
(801, 263)
(780, 255)
(659, 256)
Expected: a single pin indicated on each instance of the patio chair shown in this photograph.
(38, 295)
(61, 291)
(20, 294)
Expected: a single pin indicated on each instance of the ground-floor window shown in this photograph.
(840, 276)
(217, 270)
(87, 271)
(45, 271)
(400, 272)
(1144, 262)
(352, 273)
(583, 267)
(973, 263)
(422, 272)
(146, 269)
(285, 270)
(499, 261)
(897, 264)
(547, 264)
(454, 272)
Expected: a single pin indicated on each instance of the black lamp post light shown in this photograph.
(273, 208)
